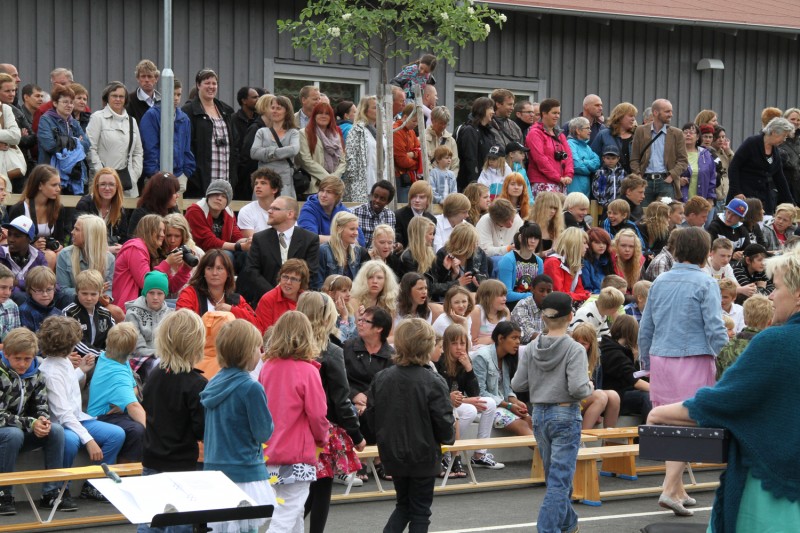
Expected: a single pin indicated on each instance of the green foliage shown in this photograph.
(372, 28)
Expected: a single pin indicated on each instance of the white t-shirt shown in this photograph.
(737, 314)
(443, 321)
(253, 217)
(725, 272)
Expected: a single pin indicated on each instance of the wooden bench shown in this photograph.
(63, 475)
(623, 466)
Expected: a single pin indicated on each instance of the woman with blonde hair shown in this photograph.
(514, 190)
(105, 201)
(361, 152)
(479, 199)
(374, 285)
(565, 264)
(176, 234)
(419, 255)
(546, 213)
(263, 119)
(338, 287)
(341, 254)
(619, 132)
(627, 258)
(490, 309)
(706, 116)
(420, 199)
(654, 228)
(460, 262)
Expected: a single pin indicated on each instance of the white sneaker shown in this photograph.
(343, 479)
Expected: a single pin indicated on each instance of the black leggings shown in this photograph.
(318, 503)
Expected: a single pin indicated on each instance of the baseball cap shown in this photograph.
(514, 146)
(737, 206)
(556, 305)
(22, 224)
(754, 249)
(611, 150)
(497, 151)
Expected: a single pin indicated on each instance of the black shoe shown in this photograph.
(67, 504)
(7, 507)
(89, 492)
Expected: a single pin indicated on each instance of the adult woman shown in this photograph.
(345, 115)
(459, 262)
(759, 489)
(89, 250)
(790, 152)
(361, 152)
(419, 255)
(781, 227)
(115, 138)
(550, 159)
(214, 142)
(479, 199)
(80, 111)
(576, 207)
(407, 152)
(585, 161)
(160, 197)
(618, 355)
(105, 201)
(706, 116)
(619, 132)
(382, 249)
(41, 202)
(338, 459)
(547, 214)
(678, 370)
(374, 286)
(565, 264)
(143, 253)
(597, 262)
(293, 278)
(721, 149)
(59, 130)
(321, 147)
(420, 198)
(756, 162)
(474, 141)
(518, 267)
(627, 258)
(278, 153)
(494, 366)
(341, 254)
(211, 289)
(700, 177)
(248, 165)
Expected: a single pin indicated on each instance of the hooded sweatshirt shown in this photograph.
(23, 398)
(213, 321)
(146, 321)
(314, 218)
(554, 370)
(237, 424)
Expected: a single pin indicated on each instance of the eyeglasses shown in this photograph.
(286, 277)
(51, 290)
(364, 320)
(106, 185)
(116, 96)
(273, 208)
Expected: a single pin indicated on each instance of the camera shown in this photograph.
(188, 257)
(51, 243)
(221, 142)
(560, 155)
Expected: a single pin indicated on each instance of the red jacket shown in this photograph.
(133, 262)
(200, 221)
(542, 164)
(271, 306)
(562, 279)
(405, 141)
(241, 309)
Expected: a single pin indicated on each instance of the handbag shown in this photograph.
(12, 161)
(300, 177)
(124, 174)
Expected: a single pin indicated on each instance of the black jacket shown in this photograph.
(443, 277)
(749, 174)
(409, 407)
(334, 381)
(465, 382)
(60, 230)
(118, 233)
(260, 272)
(409, 264)
(202, 134)
(362, 366)
(403, 218)
(247, 165)
(618, 366)
(137, 108)
(739, 235)
(473, 144)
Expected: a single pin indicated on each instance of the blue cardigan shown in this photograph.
(507, 273)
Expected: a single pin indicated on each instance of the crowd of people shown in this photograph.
(139, 333)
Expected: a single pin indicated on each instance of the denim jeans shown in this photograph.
(656, 189)
(14, 441)
(109, 437)
(558, 433)
(413, 509)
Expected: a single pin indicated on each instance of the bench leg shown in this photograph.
(467, 462)
(537, 467)
(586, 483)
(621, 467)
(55, 504)
(447, 472)
(371, 464)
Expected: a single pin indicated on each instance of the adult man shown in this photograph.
(658, 153)
(319, 209)
(273, 247)
(28, 139)
(647, 116)
(11, 70)
(429, 98)
(145, 96)
(436, 135)
(254, 216)
(593, 112)
(504, 129)
(309, 97)
(241, 122)
(374, 212)
(59, 76)
(32, 98)
(398, 100)
(526, 114)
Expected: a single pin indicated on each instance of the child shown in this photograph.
(18, 255)
(751, 270)
(675, 214)
(608, 178)
(602, 403)
(730, 326)
(146, 313)
(654, 229)
(555, 370)
(416, 73)
(632, 191)
(234, 400)
(490, 308)
(727, 289)
(410, 409)
(599, 312)
(9, 312)
(25, 416)
(458, 308)
(729, 225)
(290, 378)
(517, 156)
(443, 181)
(478, 196)
(758, 311)
(617, 219)
(112, 391)
(40, 284)
(695, 212)
(58, 336)
(640, 291)
(455, 209)
(494, 171)
(527, 314)
(95, 320)
(719, 260)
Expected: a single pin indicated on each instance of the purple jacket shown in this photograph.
(707, 177)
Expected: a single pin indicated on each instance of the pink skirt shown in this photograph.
(675, 379)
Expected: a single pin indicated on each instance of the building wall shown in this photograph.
(563, 57)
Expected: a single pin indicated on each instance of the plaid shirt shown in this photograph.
(9, 318)
(528, 317)
(368, 220)
(661, 263)
(220, 155)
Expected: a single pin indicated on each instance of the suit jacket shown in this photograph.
(263, 262)
(675, 158)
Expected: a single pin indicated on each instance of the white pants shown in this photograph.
(288, 517)
(467, 413)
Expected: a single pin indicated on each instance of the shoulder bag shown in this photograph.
(300, 177)
(124, 174)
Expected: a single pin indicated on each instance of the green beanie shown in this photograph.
(155, 280)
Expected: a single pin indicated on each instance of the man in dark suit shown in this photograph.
(272, 247)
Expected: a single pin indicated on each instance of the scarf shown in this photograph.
(332, 146)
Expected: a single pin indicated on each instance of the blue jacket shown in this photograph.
(685, 303)
(237, 423)
(707, 177)
(584, 160)
(314, 218)
(593, 273)
(603, 139)
(32, 314)
(507, 273)
(328, 265)
(48, 142)
(491, 383)
(183, 162)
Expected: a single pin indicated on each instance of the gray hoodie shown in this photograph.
(554, 370)
(146, 321)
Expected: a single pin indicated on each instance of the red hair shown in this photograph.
(524, 201)
(598, 235)
(311, 127)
